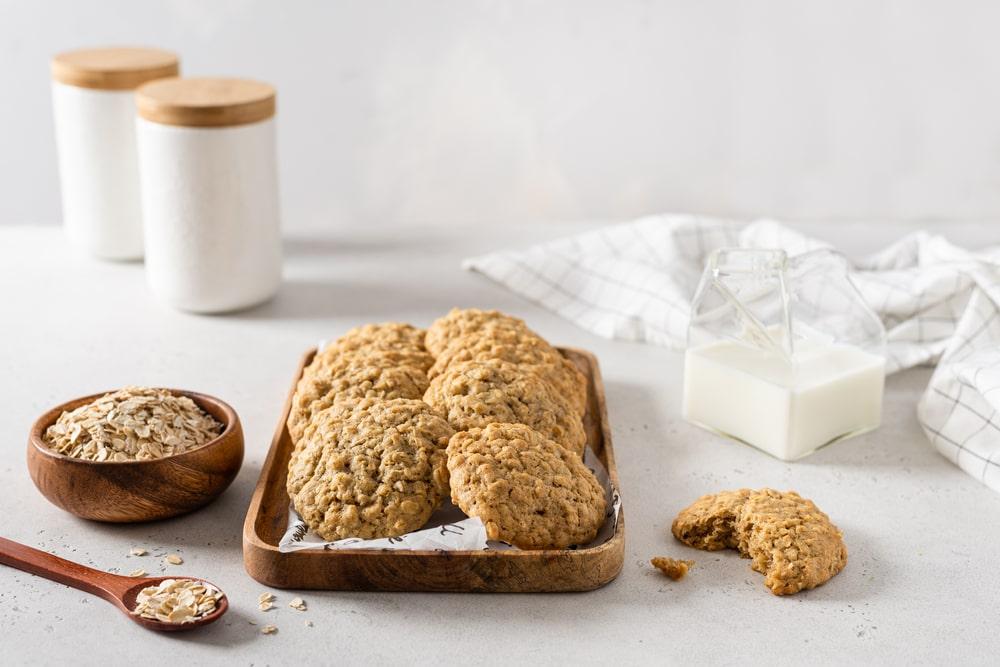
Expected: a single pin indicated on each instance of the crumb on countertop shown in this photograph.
(673, 568)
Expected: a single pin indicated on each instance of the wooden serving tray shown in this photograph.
(550, 570)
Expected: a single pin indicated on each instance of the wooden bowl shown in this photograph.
(129, 491)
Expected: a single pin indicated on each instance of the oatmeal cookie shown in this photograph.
(790, 541)
(709, 522)
(459, 322)
(385, 336)
(518, 347)
(403, 342)
(374, 375)
(372, 468)
(672, 567)
(529, 351)
(527, 490)
(476, 393)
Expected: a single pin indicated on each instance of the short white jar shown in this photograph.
(93, 97)
(207, 159)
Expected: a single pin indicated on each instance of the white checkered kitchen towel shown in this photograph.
(940, 305)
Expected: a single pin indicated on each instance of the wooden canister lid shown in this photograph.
(119, 68)
(205, 102)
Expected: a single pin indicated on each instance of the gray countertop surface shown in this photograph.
(924, 538)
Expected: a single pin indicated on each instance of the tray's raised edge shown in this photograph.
(257, 553)
(253, 546)
(602, 403)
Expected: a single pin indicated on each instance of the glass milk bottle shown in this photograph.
(207, 160)
(783, 353)
(93, 98)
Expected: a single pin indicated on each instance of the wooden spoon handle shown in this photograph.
(104, 584)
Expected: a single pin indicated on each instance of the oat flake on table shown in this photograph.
(135, 423)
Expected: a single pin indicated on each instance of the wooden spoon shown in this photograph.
(116, 589)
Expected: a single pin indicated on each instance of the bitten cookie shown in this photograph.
(374, 375)
(517, 347)
(402, 342)
(374, 468)
(476, 393)
(790, 541)
(527, 490)
(460, 322)
(709, 523)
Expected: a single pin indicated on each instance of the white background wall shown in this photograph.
(475, 111)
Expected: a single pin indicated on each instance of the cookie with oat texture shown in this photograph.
(464, 321)
(789, 539)
(477, 393)
(402, 342)
(527, 490)
(347, 377)
(372, 468)
(709, 523)
(526, 350)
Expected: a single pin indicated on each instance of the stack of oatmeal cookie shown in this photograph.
(389, 421)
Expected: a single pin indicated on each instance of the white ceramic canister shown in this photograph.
(93, 96)
(207, 159)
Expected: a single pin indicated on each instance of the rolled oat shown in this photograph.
(177, 601)
(135, 423)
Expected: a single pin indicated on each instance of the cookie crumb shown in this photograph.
(672, 567)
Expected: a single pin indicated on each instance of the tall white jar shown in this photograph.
(207, 159)
(93, 93)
